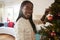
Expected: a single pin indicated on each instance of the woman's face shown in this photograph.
(27, 10)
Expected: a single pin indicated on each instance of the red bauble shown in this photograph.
(11, 24)
(53, 33)
(50, 18)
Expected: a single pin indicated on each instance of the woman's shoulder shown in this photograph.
(21, 20)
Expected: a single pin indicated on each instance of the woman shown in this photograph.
(24, 27)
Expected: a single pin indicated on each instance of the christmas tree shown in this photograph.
(51, 30)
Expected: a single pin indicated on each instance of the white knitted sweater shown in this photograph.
(24, 30)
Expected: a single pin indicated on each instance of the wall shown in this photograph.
(40, 6)
(0, 13)
(1, 10)
(11, 10)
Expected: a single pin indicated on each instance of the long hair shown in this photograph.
(21, 14)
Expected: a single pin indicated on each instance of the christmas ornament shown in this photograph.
(49, 17)
(58, 13)
(11, 24)
(48, 24)
(53, 33)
